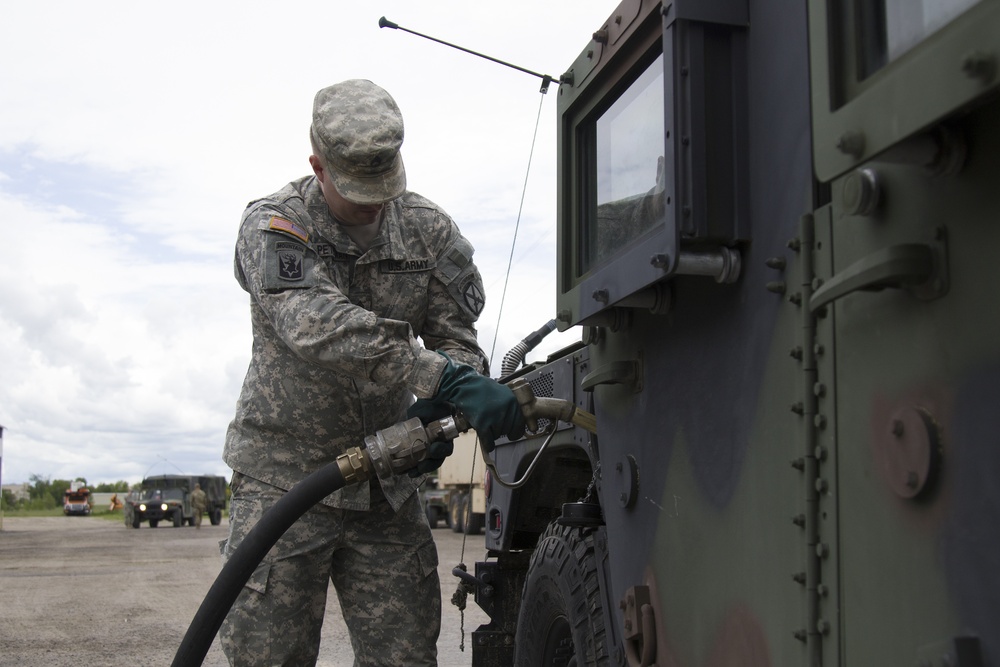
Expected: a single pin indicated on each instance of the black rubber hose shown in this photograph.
(244, 561)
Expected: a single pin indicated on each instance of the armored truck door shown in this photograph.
(907, 324)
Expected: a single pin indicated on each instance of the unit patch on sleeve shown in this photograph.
(290, 261)
(289, 227)
(475, 300)
(286, 263)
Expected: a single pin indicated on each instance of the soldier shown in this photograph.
(199, 503)
(346, 269)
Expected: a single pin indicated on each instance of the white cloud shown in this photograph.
(133, 136)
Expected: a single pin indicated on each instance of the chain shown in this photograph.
(593, 483)
(462, 592)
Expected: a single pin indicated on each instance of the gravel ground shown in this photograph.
(87, 591)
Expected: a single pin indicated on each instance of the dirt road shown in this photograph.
(88, 591)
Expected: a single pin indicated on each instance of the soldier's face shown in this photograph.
(346, 212)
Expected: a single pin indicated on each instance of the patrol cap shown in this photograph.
(358, 127)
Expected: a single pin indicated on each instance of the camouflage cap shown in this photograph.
(358, 127)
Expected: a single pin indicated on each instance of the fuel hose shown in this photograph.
(244, 560)
(391, 451)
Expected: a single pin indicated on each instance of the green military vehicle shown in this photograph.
(434, 500)
(168, 498)
(776, 227)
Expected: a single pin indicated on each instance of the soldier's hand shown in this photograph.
(490, 407)
(429, 410)
(437, 452)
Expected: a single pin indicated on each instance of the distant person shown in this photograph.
(115, 503)
(199, 503)
(346, 270)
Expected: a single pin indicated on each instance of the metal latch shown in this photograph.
(918, 267)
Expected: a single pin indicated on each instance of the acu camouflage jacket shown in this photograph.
(335, 352)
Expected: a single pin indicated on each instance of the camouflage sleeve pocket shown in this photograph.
(461, 277)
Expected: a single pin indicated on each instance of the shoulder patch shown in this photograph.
(473, 296)
(289, 227)
(290, 257)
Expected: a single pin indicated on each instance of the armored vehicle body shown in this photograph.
(168, 498)
(776, 231)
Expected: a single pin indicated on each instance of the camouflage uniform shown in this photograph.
(383, 564)
(336, 357)
(199, 503)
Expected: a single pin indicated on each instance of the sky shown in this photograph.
(133, 135)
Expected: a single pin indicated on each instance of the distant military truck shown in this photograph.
(168, 498)
(464, 486)
(435, 502)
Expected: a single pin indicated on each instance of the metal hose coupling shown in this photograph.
(354, 465)
(400, 447)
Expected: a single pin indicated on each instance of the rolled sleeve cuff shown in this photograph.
(425, 375)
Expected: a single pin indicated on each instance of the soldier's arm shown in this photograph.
(455, 300)
(290, 285)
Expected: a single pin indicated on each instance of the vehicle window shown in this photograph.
(890, 28)
(630, 167)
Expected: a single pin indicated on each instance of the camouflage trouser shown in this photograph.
(383, 565)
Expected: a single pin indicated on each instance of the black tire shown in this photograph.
(432, 516)
(455, 512)
(561, 621)
(215, 516)
(136, 521)
(153, 523)
(178, 518)
(472, 524)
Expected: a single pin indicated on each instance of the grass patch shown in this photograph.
(100, 513)
(97, 513)
(28, 514)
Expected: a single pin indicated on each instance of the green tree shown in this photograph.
(46, 493)
(58, 490)
(121, 486)
(40, 487)
(7, 500)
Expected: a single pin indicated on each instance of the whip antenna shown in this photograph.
(546, 79)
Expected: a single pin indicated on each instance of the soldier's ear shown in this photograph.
(317, 167)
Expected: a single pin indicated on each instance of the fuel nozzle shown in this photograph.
(535, 408)
(400, 447)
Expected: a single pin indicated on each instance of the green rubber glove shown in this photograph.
(429, 410)
(490, 407)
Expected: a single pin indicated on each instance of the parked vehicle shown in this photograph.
(76, 500)
(776, 231)
(463, 486)
(434, 501)
(168, 498)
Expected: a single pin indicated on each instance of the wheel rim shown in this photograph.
(559, 644)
